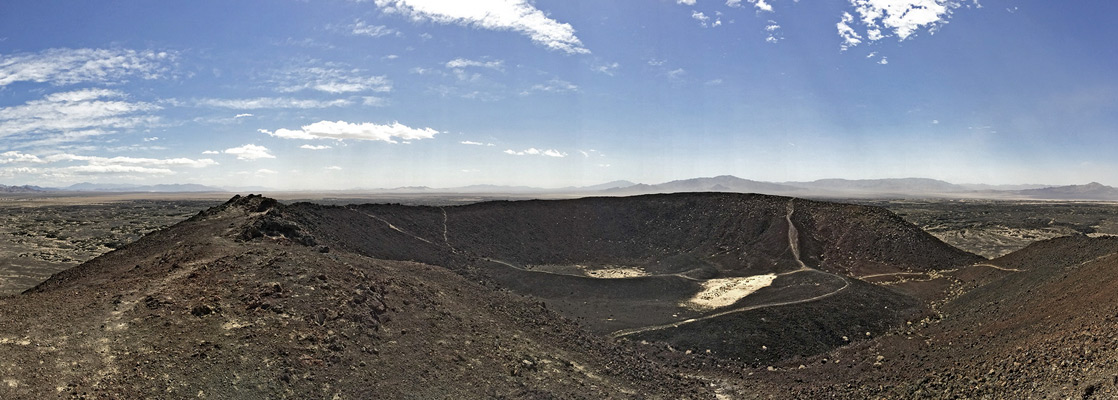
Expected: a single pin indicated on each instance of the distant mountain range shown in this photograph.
(724, 183)
(20, 189)
(1090, 191)
(823, 188)
(875, 188)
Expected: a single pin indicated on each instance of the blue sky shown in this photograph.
(338, 94)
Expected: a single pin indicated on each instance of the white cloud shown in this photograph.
(270, 102)
(473, 143)
(687, 2)
(536, 152)
(850, 37)
(883, 61)
(314, 147)
(733, 3)
(69, 116)
(773, 30)
(250, 152)
(243, 115)
(762, 5)
(698, 16)
(70, 66)
(676, 73)
(116, 169)
(460, 63)
(341, 130)
(124, 161)
(119, 165)
(607, 68)
(211, 152)
(902, 18)
(515, 15)
(15, 157)
(360, 28)
(552, 86)
(331, 79)
(151, 139)
(373, 101)
(265, 171)
(334, 168)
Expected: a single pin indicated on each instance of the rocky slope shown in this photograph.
(242, 302)
(672, 244)
(1042, 328)
(259, 299)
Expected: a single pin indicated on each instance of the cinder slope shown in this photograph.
(677, 241)
(242, 302)
(1044, 327)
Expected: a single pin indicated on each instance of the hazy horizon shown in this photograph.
(344, 94)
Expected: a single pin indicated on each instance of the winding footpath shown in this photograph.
(446, 237)
(393, 227)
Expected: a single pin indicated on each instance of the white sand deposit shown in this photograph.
(725, 291)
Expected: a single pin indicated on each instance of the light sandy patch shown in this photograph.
(615, 273)
(726, 291)
(233, 324)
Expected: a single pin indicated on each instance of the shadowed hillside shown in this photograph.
(1042, 326)
(628, 267)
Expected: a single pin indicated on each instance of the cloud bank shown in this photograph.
(341, 130)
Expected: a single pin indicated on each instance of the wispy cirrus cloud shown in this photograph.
(62, 165)
(500, 15)
(69, 66)
(552, 86)
(15, 157)
(607, 69)
(361, 28)
(149, 162)
(269, 102)
(536, 152)
(461, 63)
(331, 79)
(341, 130)
(68, 116)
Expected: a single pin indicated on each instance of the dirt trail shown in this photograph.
(627, 332)
(794, 236)
(514, 266)
(446, 236)
(393, 227)
(997, 267)
(933, 274)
